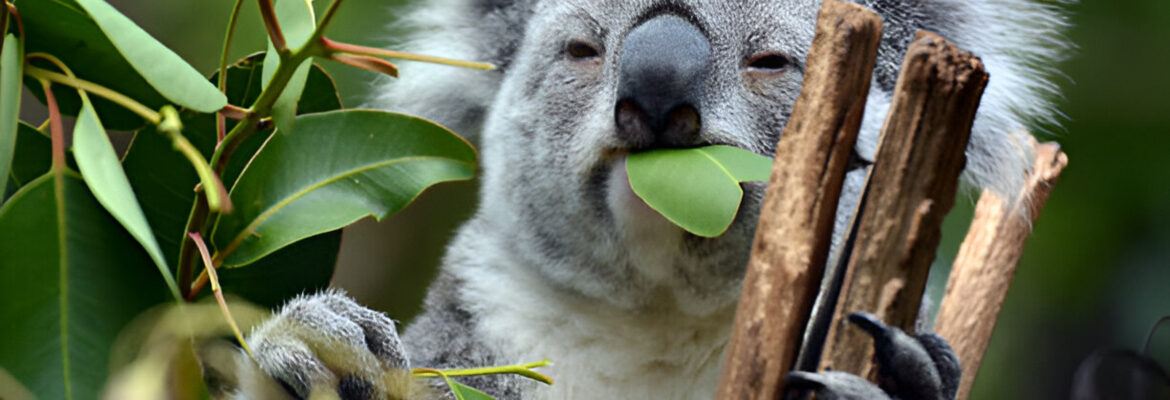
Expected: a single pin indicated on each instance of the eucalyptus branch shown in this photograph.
(200, 214)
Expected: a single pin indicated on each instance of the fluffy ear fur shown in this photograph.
(474, 30)
(1020, 41)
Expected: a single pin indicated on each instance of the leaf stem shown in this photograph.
(334, 46)
(327, 18)
(57, 131)
(524, 370)
(272, 25)
(217, 197)
(16, 16)
(223, 60)
(215, 288)
(90, 87)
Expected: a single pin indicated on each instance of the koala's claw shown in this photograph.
(920, 367)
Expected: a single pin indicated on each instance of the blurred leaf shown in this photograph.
(297, 23)
(165, 185)
(697, 189)
(62, 28)
(71, 279)
(465, 392)
(11, 65)
(304, 267)
(332, 169)
(160, 66)
(103, 174)
(32, 157)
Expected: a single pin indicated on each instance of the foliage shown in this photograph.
(698, 188)
(89, 240)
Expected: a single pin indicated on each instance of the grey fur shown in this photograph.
(559, 262)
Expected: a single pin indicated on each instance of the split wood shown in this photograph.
(987, 262)
(796, 218)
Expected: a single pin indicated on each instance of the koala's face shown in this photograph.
(596, 80)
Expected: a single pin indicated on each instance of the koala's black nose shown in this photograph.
(662, 67)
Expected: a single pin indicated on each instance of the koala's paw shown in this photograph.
(919, 367)
(321, 346)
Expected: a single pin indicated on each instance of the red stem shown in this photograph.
(270, 23)
(57, 131)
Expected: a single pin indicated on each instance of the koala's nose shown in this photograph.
(662, 66)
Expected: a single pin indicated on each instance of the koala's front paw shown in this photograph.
(324, 346)
(919, 367)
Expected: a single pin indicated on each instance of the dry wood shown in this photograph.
(912, 187)
(987, 262)
(796, 218)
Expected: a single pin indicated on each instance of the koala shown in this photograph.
(562, 261)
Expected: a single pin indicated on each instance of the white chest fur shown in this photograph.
(598, 351)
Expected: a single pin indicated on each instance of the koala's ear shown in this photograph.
(475, 30)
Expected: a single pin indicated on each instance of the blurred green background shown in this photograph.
(1097, 269)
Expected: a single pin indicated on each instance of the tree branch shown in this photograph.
(796, 218)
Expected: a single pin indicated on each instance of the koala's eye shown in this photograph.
(768, 62)
(580, 50)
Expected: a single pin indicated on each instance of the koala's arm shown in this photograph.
(918, 367)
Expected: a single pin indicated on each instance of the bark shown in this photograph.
(987, 262)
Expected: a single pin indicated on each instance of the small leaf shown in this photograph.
(297, 23)
(332, 169)
(70, 280)
(697, 189)
(166, 71)
(468, 393)
(104, 175)
(11, 64)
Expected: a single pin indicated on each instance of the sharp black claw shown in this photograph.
(801, 380)
(870, 324)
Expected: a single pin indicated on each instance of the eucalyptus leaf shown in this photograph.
(70, 280)
(162, 68)
(103, 174)
(62, 28)
(11, 64)
(332, 169)
(697, 189)
(297, 23)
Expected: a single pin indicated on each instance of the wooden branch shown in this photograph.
(796, 218)
(987, 263)
(911, 189)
